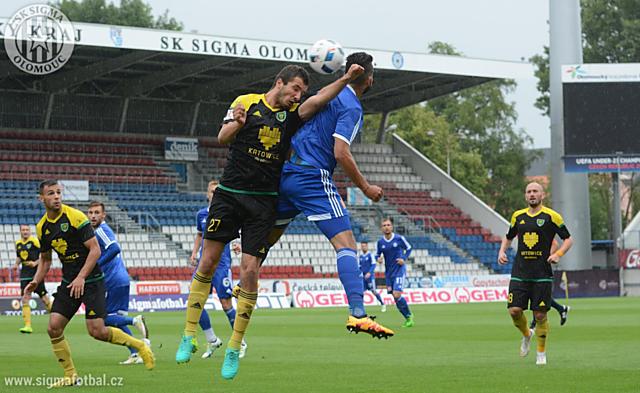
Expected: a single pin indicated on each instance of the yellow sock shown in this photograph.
(198, 294)
(62, 352)
(26, 314)
(542, 330)
(246, 303)
(521, 323)
(47, 304)
(117, 336)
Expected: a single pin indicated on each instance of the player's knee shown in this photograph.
(515, 312)
(98, 332)
(54, 331)
(539, 315)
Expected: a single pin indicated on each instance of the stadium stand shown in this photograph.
(156, 224)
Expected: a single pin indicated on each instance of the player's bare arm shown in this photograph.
(315, 103)
(77, 285)
(41, 272)
(345, 159)
(229, 130)
(566, 245)
(502, 254)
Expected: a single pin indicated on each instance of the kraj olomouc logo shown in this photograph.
(39, 39)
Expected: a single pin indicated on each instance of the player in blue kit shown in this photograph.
(395, 249)
(222, 280)
(368, 268)
(306, 185)
(116, 280)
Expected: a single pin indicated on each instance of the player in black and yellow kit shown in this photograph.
(531, 275)
(258, 128)
(27, 256)
(68, 232)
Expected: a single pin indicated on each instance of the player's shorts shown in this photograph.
(93, 299)
(395, 283)
(40, 289)
(535, 296)
(222, 282)
(231, 212)
(118, 300)
(311, 191)
(370, 284)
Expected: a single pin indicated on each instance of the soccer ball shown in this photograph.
(326, 57)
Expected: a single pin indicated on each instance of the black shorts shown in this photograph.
(535, 296)
(93, 299)
(40, 289)
(254, 215)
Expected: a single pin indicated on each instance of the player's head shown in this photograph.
(51, 194)
(534, 194)
(387, 225)
(364, 81)
(364, 246)
(96, 213)
(211, 188)
(290, 85)
(25, 231)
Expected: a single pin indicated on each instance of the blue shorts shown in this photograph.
(118, 300)
(395, 283)
(370, 284)
(222, 282)
(311, 191)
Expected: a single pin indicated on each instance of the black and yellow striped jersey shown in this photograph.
(535, 237)
(259, 150)
(66, 234)
(27, 250)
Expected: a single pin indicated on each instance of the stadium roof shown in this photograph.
(148, 64)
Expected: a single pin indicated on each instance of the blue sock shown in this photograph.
(377, 295)
(231, 316)
(403, 307)
(126, 329)
(351, 278)
(118, 321)
(205, 322)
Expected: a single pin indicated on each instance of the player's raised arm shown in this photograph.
(315, 103)
(233, 122)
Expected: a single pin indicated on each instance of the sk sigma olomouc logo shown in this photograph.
(39, 39)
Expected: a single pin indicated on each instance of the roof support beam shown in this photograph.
(207, 91)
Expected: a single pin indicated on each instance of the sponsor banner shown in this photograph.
(489, 280)
(157, 288)
(12, 307)
(287, 286)
(75, 190)
(355, 197)
(602, 164)
(312, 299)
(178, 302)
(630, 259)
(587, 283)
(181, 149)
(589, 73)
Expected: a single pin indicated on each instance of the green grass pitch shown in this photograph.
(452, 348)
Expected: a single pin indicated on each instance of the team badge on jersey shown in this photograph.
(281, 116)
(269, 137)
(540, 222)
(64, 226)
(530, 239)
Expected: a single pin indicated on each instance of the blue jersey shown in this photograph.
(395, 248)
(201, 225)
(110, 261)
(367, 263)
(341, 118)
